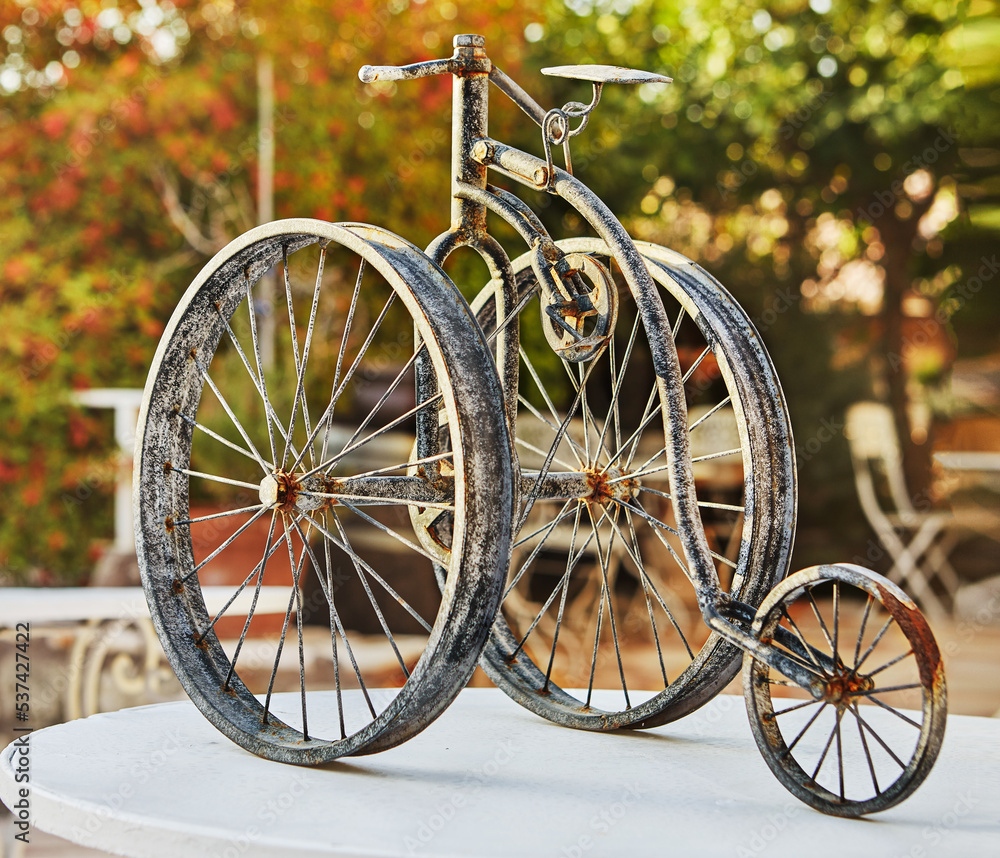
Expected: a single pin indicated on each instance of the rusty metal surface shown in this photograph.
(482, 521)
(842, 682)
(477, 502)
(770, 489)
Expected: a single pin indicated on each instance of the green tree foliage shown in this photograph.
(834, 164)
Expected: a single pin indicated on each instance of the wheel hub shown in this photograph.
(287, 492)
(845, 687)
(611, 485)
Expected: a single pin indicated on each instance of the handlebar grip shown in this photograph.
(370, 74)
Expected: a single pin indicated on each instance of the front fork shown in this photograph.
(472, 153)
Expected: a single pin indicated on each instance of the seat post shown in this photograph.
(469, 120)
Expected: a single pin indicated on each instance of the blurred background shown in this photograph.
(836, 166)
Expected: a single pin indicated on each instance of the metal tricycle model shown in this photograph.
(534, 482)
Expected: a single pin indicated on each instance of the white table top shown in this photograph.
(64, 604)
(969, 460)
(487, 779)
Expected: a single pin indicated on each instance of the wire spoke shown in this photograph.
(633, 439)
(874, 643)
(778, 712)
(328, 591)
(335, 653)
(520, 442)
(722, 453)
(241, 450)
(552, 409)
(370, 595)
(229, 411)
(864, 744)
(543, 472)
(861, 633)
(801, 638)
(225, 514)
(706, 504)
(261, 385)
(636, 554)
(345, 546)
(659, 525)
(724, 402)
(382, 400)
(296, 571)
(262, 566)
(229, 541)
(300, 365)
(889, 664)
(857, 714)
(605, 560)
(353, 368)
(836, 623)
(802, 732)
(212, 477)
(563, 513)
(893, 710)
(341, 351)
(907, 687)
(613, 412)
(332, 462)
(644, 577)
(822, 625)
(562, 600)
(549, 529)
(691, 369)
(840, 753)
(271, 418)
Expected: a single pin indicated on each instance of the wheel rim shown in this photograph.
(859, 747)
(533, 640)
(326, 485)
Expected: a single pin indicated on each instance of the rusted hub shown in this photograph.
(287, 492)
(845, 687)
(608, 486)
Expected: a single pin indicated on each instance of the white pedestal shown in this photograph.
(487, 779)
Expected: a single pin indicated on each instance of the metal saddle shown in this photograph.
(606, 74)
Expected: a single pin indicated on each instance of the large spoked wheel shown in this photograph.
(869, 735)
(284, 467)
(597, 594)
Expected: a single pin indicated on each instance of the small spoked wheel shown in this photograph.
(598, 595)
(868, 731)
(287, 457)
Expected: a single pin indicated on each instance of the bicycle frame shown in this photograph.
(474, 153)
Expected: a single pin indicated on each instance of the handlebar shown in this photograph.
(455, 65)
(370, 74)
